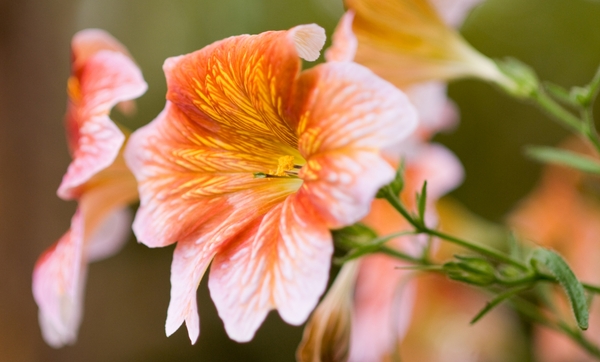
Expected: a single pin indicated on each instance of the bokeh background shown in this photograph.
(127, 295)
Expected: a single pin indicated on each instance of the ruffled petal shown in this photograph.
(244, 85)
(281, 262)
(106, 79)
(192, 183)
(88, 42)
(58, 282)
(349, 116)
(344, 42)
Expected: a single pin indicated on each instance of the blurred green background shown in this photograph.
(127, 295)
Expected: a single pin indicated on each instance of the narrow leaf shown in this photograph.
(563, 157)
(422, 200)
(566, 278)
(497, 300)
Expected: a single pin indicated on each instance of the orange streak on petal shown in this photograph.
(281, 262)
(240, 86)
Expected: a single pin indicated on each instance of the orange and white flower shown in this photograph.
(408, 42)
(103, 75)
(249, 165)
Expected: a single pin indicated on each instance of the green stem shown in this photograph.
(484, 250)
(532, 312)
(561, 115)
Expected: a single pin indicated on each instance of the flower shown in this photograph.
(409, 41)
(562, 213)
(102, 75)
(249, 165)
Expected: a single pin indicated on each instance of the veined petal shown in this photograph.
(58, 281)
(243, 85)
(192, 182)
(341, 185)
(347, 106)
(349, 116)
(281, 262)
(309, 40)
(190, 261)
(106, 79)
(344, 43)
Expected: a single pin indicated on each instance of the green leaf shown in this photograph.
(396, 186)
(497, 300)
(563, 157)
(566, 278)
(422, 201)
(562, 95)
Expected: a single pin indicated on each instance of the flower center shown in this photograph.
(285, 168)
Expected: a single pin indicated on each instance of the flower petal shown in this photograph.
(406, 42)
(88, 42)
(347, 106)
(58, 282)
(383, 305)
(281, 262)
(190, 261)
(309, 40)
(349, 116)
(191, 182)
(106, 79)
(243, 85)
(344, 43)
(454, 12)
(327, 334)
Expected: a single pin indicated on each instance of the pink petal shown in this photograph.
(106, 79)
(350, 115)
(282, 263)
(88, 42)
(454, 12)
(342, 185)
(110, 236)
(344, 42)
(436, 112)
(190, 261)
(382, 308)
(58, 282)
(347, 106)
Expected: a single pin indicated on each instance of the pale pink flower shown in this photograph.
(102, 76)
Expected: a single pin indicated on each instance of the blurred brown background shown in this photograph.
(127, 295)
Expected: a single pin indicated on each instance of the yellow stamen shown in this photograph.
(286, 163)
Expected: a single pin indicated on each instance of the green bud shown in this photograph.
(525, 81)
(475, 271)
